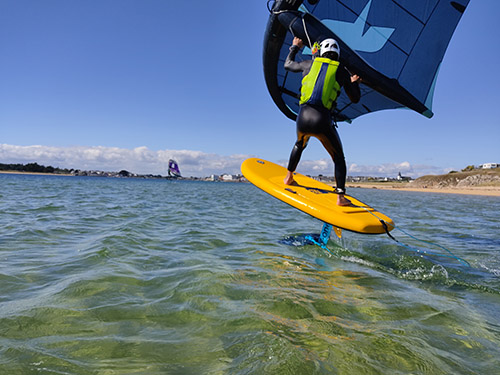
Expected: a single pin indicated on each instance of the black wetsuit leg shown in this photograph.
(331, 141)
(316, 122)
(296, 153)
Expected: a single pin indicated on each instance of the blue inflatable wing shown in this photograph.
(396, 46)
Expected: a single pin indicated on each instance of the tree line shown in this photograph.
(32, 167)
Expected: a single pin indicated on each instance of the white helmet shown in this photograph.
(329, 45)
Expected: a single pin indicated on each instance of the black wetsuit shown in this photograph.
(316, 121)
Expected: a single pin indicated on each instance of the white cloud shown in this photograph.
(382, 170)
(315, 167)
(138, 160)
(192, 163)
(392, 170)
(325, 167)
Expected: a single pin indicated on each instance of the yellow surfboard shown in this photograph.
(315, 198)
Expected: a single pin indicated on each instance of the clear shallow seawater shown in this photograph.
(126, 276)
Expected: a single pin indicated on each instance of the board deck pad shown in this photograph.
(315, 198)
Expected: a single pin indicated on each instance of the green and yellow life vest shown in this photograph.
(320, 85)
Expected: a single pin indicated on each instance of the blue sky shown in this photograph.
(128, 84)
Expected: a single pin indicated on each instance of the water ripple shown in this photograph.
(165, 277)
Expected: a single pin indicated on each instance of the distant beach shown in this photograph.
(407, 186)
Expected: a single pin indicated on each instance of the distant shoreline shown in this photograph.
(493, 191)
(36, 173)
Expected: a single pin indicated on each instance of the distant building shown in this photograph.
(228, 177)
(489, 165)
(402, 178)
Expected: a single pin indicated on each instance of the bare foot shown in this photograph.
(343, 201)
(289, 179)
